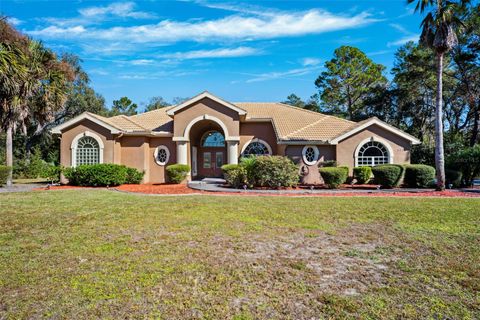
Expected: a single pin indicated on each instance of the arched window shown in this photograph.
(88, 151)
(256, 147)
(213, 139)
(373, 153)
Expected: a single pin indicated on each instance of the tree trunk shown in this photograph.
(439, 155)
(475, 129)
(9, 153)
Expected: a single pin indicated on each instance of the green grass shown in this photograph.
(102, 254)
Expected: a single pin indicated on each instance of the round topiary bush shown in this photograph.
(134, 176)
(363, 174)
(177, 172)
(387, 175)
(418, 175)
(334, 176)
(275, 172)
(235, 175)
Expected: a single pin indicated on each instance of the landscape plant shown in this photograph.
(4, 173)
(467, 161)
(101, 175)
(418, 175)
(334, 176)
(177, 173)
(235, 175)
(388, 175)
(363, 174)
(275, 171)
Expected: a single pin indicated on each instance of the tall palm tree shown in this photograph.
(439, 33)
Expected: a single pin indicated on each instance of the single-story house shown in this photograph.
(207, 132)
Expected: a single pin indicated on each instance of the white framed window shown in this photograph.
(256, 147)
(373, 153)
(310, 155)
(161, 155)
(87, 148)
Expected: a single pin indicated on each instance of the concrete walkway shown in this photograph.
(217, 185)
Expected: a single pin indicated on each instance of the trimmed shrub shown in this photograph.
(387, 175)
(275, 172)
(97, 175)
(4, 171)
(453, 177)
(418, 175)
(133, 176)
(334, 176)
(363, 174)
(235, 175)
(177, 172)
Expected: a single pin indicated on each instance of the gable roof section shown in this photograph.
(101, 121)
(374, 121)
(201, 96)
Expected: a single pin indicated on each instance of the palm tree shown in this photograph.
(34, 84)
(439, 33)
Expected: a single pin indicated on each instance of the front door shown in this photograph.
(211, 162)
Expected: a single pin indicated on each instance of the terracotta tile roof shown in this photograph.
(292, 123)
(156, 120)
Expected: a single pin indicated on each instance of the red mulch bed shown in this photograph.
(177, 189)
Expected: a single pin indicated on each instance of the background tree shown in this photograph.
(439, 29)
(294, 100)
(348, 81)
(156, 103)
(123, 106)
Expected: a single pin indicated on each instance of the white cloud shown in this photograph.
(119, 9)
(142, 62)
(404, 40)
(215, 53)
(407, 35)
(14, 21)
(284, 74)
(234, 27)
(310, 62)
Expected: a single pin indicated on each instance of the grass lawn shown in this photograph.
(101, 254)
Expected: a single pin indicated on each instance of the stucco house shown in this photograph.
(206, 132)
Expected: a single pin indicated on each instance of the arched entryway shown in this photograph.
(208, 149)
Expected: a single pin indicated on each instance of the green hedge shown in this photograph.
(101, 175)
(418, 175)
(453, 177)
(363, 174)
(275, 171)
(4, 171)
(334, 176)
(235, 175)
(177, 172)
(388, 175)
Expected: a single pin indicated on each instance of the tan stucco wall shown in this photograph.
(157, 172)
(257, 130)
(135, 153)
(86, 125)
(206, 107)
(310, 172)
(346, 148)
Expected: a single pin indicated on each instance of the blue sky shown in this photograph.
(241, 51)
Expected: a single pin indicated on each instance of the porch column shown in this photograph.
(182, 152)
(232, 152)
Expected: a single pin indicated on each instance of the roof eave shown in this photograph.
(84, 116)
(203, 95)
